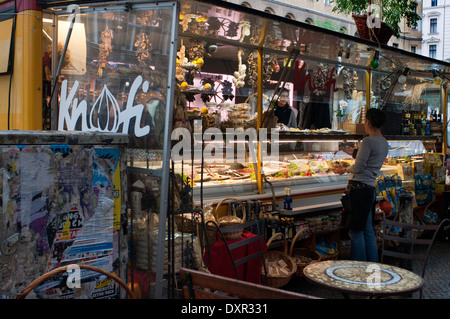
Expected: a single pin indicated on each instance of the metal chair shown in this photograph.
(62, 269)
(409, 244)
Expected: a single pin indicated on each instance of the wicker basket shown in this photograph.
(379, 35)
(308, 252)
(207, 235)
(278, 281)
(224, 222)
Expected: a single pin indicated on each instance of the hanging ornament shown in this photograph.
(143, 46)
(105, 49)
(239, 75)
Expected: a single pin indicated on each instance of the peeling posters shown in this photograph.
(60, 205)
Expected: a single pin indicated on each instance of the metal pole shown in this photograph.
(166, 152)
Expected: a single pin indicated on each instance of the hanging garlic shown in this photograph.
(239, 75)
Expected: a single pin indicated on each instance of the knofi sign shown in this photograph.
(71, 109)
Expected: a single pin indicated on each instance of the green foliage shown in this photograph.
(392, 11)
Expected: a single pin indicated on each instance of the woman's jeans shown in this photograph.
(363, 246)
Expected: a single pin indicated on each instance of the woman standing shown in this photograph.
(361, 187)
(283, 111)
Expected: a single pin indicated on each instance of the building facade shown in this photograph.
(320, 13)
(436, 29)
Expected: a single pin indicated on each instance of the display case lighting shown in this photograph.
(437, 79)
(402, 78)
(375, 61)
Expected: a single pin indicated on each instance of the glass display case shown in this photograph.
(226, 57)
(199, 88)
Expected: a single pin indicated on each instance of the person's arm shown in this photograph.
(292, 120)
(362, 157)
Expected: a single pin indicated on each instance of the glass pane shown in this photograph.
(412, 105)
(115, 78)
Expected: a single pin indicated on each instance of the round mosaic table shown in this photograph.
(363, 278)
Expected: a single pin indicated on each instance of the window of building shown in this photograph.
(434, 3)
(309, 21)
(432, 51)
(413, 49)
(343, 30)
(290, 16)
(395, 45)
(269, 10)
(246, 4)
(433, 25)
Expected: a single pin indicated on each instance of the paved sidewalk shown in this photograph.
(437, 278)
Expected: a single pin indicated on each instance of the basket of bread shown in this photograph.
(279, 266)
(305, 255)
(230, 219)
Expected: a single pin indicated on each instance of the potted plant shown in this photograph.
(392, 12)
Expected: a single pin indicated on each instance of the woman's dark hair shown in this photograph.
(281, 90)
(376, 117)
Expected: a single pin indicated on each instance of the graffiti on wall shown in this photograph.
(59, 205)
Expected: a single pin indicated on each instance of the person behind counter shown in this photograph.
(283, 111)
(361, 187)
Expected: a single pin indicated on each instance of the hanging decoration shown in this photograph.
(232, 31)
(105, 49)
(208, 85)
(143, 46)
(245, 29)
(227, 90)
(146, 18)
(239, 75)
(214, 25)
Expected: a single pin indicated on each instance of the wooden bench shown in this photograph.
(200, 285)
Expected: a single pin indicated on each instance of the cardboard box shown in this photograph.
(424, 196)
(439, 174)
(419, 167)
(439, 188)
(423, 181)
(410, 186)
(431, 161)
(405, 171)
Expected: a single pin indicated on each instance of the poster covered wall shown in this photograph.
(59, 205)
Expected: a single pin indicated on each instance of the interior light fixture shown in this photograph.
(402, 78)
(375, 61)
(437, 79)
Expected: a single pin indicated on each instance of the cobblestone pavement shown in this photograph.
(437, 278)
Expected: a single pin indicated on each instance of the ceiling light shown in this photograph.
(437, 80)
(375, 62)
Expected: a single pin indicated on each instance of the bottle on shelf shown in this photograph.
(433, 116)
(405, 127)
(287, 199)
(423, 124)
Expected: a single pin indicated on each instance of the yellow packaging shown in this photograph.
(439, 188)
(439, 174)
(432, 160)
